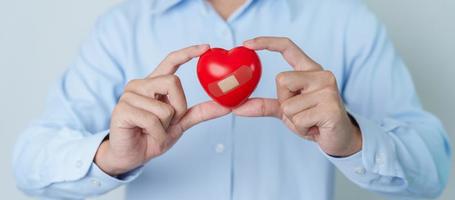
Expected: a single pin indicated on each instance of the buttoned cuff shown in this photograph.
(94, 179)
(353, 167)
(377, 157)
(75, 158)
(98, 182)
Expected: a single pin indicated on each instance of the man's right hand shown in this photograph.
(151, 116)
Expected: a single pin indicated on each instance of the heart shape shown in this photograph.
(229, 77)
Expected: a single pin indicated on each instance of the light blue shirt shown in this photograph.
(405, 150)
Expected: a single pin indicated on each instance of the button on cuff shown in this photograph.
(360, 170)
(98, 182)
(353, 168)
(219, 148)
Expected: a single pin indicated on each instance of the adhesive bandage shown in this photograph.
(239, 77)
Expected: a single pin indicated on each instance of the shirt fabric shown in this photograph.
(405, 150)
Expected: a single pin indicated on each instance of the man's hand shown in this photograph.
(151, 116)
(308, 101)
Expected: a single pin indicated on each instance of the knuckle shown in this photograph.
(297, 123)
(126, 97)
(168, 111)
(145, 87)
(116, 110)
(171, 79)
(285, 107)
(120, 108)
(329, 76)
(155, 120)
(281, 78)
(121, 105)
(174, 79)
(132, 84)
(333, 92)
(162, 146)
(152, 120)
(296, 119)
(263, 108)
(123, 98)
(299, 119)
(329, 93)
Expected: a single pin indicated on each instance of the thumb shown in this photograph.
(200, 113)
(259, 107)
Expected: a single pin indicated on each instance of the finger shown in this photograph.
(290, 51)
(259, 107)
(290, 124)
(292, 83)
(300, 103)
(163, 111)
(166, 85)
(132, 117)
(304, 121)
(173, 61)
(200, 113)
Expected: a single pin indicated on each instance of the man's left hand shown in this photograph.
(308, 101)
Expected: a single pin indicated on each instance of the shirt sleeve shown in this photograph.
(54, 155)
(405, 150)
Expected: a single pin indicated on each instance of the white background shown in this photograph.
(38, 39)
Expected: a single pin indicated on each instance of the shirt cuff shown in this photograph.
(353, 167)
(94, 179)
(98, 182)
(377, 157)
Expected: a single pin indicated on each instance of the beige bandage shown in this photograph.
(228, 84)
(239, 77)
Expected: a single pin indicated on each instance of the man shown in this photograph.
(333, 93)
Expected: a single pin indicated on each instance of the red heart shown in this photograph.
(229, 77)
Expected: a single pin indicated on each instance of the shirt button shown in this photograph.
(96, 183)
(360, 170)
(225, 31)
(380, 159)
(79, 163)
(219, 148)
